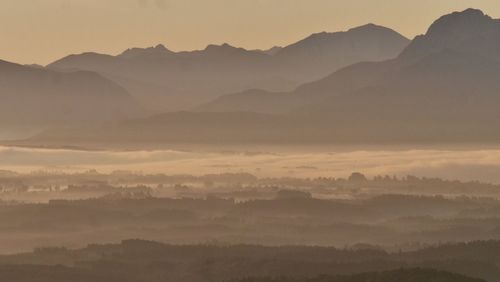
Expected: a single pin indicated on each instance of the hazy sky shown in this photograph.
(39, 31)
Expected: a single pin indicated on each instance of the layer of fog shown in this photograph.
(466, 165)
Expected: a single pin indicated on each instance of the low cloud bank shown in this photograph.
(463, 165)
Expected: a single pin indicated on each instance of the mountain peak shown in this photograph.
(472, 11)
(455, 31)
(161, 47)
(465, 22)
(224, 46)
(368, 27)
(223, 49)
(272, 51)
(158, 50)
(360, 30)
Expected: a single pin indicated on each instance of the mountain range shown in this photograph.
(442, 87)
(458, 54)
(163, 80)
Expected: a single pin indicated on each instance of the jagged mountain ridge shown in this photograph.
(434, 66)
(164, 80)
(448, 93)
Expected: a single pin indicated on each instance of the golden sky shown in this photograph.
(40, 31)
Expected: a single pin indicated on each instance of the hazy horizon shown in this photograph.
(112, 26)
(462, 164)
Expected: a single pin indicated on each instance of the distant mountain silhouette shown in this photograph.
(163, 80)
(443, 87)
(444, 83)
(470, 31)
(39, 97)
(319, 52)
(158, 52)
(271, 51)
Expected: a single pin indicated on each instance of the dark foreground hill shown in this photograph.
(30, 273)
(144, 261)
(402, 275)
